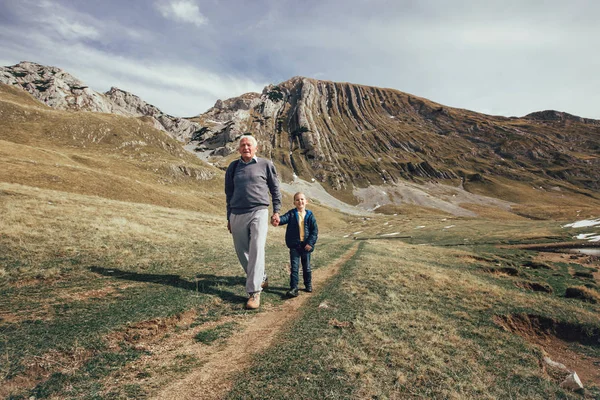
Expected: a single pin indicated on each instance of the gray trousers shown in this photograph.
(249, 233)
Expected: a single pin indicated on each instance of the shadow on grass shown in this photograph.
(204, 283)
(278, 290)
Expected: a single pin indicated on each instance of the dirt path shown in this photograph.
(254, 335)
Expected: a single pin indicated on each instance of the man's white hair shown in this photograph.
(251, 138)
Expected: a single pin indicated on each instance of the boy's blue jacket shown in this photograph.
(292, 233)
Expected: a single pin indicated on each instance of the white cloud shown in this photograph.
(176, 88)
(182, 10)
(500, 57)
(65, 24)
(57, 20)
(72, 29)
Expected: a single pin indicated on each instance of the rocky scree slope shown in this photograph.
(346, 135)
(62, 91)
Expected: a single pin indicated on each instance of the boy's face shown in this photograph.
(300, 202)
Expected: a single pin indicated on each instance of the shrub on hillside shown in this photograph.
(583, 293)
(275, 94)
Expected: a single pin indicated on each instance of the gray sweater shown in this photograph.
(247, 186)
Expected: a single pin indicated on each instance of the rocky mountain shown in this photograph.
(62, 91)
(349, 136)
(367, 145)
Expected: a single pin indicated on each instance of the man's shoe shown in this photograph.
(292, 292)
(254, 301)
(265, 283)
(309, 289)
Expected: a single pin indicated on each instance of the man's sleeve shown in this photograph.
(228, 188)
(273, 182)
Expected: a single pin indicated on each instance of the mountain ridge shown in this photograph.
(60, 90)
(349, 137)
(346, 135)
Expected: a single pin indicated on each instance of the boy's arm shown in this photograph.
(284, 219)
(314, 231)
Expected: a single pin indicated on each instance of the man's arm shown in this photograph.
(273, 183)
(229, 188)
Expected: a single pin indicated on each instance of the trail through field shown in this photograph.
(214, 379)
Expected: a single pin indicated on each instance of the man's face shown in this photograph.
(247, 149)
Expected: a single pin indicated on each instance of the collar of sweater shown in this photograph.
(253, 159)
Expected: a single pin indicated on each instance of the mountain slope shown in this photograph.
(62, 91)
(349, 136)
(106, 155)
(371, 146)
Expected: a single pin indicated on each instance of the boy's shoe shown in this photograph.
(265, 283)
(309, 289)
(293, 292)
(254, 301)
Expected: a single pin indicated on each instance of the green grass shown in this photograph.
(556, 275)
(92, 296)
(84, 383)
(83, 277)
(410, 322)
(223, 331)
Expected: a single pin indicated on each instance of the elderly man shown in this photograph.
(248, 182)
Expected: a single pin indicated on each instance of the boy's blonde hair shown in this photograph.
(297, 193)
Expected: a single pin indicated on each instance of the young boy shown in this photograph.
(300, 237)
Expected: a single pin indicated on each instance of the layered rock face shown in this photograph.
(62, 91)
(346, 136)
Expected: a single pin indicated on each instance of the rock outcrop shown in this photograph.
(180, 128)
(62, 91)
(56, 88)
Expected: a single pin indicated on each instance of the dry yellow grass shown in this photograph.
(100, 154)
(539, 200)
(53, 242)
(409, 292)
(42, 225)
(43, 231)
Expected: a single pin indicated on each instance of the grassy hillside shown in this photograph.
(99, 154)
(94, 290)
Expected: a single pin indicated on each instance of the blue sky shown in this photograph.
(500, 57)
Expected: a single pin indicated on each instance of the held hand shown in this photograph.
(275, 219)
(229, 226)
(308, 247)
